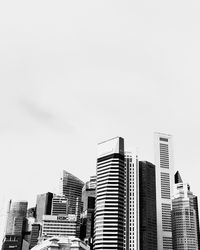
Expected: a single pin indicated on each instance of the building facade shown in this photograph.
(147, 204)
(185, 218)
(61, 225)
(131, 215)
(164, 183)
(71, 188)
(16, 217)
(59, 205)
(16, 225)
(109, 214)
(43, 205)
(35, 234)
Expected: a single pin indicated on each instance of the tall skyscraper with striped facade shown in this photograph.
(109, 214)
(164, 184)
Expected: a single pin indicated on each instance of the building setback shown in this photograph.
(109, 214)
(147, 203)
(164, 184)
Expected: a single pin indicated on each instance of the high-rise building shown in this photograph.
(164, 184)
(147, 203)
(16, 225)
(87, 216)
(185, 218)
(71, 188)
(43, 205)
(16, 217)
(59, 205)
(131, 215)
(109, 214)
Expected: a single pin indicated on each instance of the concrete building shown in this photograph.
(62, 243)
(43, 205)
(185, 218)
(164, 183)
(109, 214)
(61, 225)
(147, 203)
(131, 215)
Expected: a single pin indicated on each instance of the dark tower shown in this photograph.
(177, 178)
(147, 204)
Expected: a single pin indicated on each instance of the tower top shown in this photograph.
(177, 178)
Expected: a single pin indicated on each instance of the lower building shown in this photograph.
(61, 225)
(35, 234)
(62, 243)
(13, 242)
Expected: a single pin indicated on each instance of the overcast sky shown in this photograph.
(74, 73)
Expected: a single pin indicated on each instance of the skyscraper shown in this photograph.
(15, 226)
(16, 217)
(109, 214)
(185, 218)
(71, 188)
(43, 205)
(164, 184)
(147, 202)
(87, 216)
(131, 215)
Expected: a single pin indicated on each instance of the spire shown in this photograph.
(177, 178)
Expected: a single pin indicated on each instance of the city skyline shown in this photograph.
(59, 186)
(114, 168)
(75, 73)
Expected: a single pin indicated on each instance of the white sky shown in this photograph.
(73, 73)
